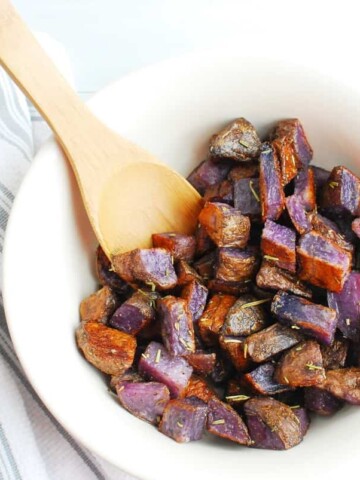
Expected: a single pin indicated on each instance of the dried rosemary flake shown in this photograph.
(253, 191)
(144, 355)
(172, 259)
(177, 326)
(244, 144)
(221, 421)
(152, 285)
(245, 350)
(295, 327)
(286, 380)
(299, 348)
(158, 355)
(121, 388)
(183, 342)
(267, 151)
(311, 366)
(257, 302)
(179, 424)
(171, 234)
(293, 160)
(270, 257)
(237, 398)
(294, 406)
(232, 340)
(333, 184)
(348, 321)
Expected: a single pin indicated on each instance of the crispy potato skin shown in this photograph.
(181, 247)
(334, 356)
(99, 306)
(213, 317)
(109, 350)
(244, 170)
(288, 163)
(186, 273)
(343, 383)
(235, 265)
(197, 387)
(234, 349)
(241, 321)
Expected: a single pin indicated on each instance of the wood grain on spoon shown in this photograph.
(127, 192)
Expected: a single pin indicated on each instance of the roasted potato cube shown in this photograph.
(134, 314)
(213, 317)
(343, 383)
(146, 400)
(304, 188)
(244, 170)
(329, 230)
(107, 276)
(107, 349)
(321, 402)
(158, 365)
(272, 424)
(346, 303)
(334, 356)
(208, 173)
(301, 366)
(237, 141)
(223, 421)
(261, 380)
(323, 263)
(184, 420)
(185, 273)
(205, 265)
(221, 192)
(99, 306)
(278, 245)
(234, 349)
(177, 328)
(271, 191)
(152, 266)
(195, 295)
(225, 225)
(235, 265)
(197, 387)
(307, 317)
(245, 317)
(202, 362)
(274, 278)
(181, 247)
(263, 345)
(247, 197)
(341, 193)
(298, 214)
(230, 288)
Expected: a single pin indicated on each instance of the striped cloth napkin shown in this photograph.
(33, 445)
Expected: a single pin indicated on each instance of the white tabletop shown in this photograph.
(107, 38)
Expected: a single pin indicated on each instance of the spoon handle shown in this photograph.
(36, 75)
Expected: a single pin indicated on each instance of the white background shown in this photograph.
(108, 38)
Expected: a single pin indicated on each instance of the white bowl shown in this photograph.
(170, 109)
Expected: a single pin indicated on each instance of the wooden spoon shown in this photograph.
(128, 194)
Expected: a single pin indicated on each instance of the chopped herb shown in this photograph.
(112, 269)
(257, 302)
(179, 424)
(293, 160)
(267, 151)
(221, 421)
(348, 321)
(171, 234)
(244, 144)
(151, 285)
(295, 406)
(172, 259)
(299, 348)
(270, 257)
(144, 355)
(311, 366)
(183, 342)
(333, 184)
(121, 388)
(245, 350)
(253, 191)
(295, 327)
(158, 355)
(286, 380)
(237, 398)
(232, 340)
(177, 326)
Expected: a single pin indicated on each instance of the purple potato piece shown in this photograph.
(329, 230)
(271, 277)
(304, 188)
(245, 317)
(207, 174)
(272, 424)
(202, 362)
(343, 383)
(195, 295)
(223, 370)
(323, 263)
(293, 136)
(225, 225)
(321, 402)
(298, 215)
(229, 288)
(346, 303)
(158, 365)
(355, 226)
(205, 265)
(301, 366)
(184, 420)
(135, 313)
(235, 265)
(185, 273)
(321, 176)
(204, 244)
(107, 276)
(334, 356)
(99, 306)
(129, 376)
(145, 400)
(237, 141)
(303, 418)
(152, 266)
(244, 170)
(271, 190)
(261, 380)
(341, 193)
(177, 328)
(247, 196)
(263, 345)
(343, 222)
(180, 246)
(221, 192)
(225, 422)
(307, 317)
(278, 245)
